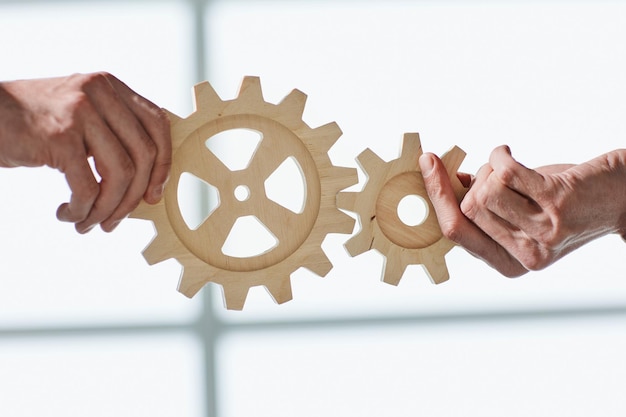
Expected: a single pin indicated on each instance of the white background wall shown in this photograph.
(544, 77)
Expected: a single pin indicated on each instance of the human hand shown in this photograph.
(62, 122)
(518, 219)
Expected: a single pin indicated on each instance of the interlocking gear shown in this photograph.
(300, 235)
(377, 207)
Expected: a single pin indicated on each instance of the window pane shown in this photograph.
(101, 376)
(544, 367)
(544, 77)
(50, 274)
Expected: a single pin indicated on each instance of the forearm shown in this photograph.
(615, 162)
(13, 127)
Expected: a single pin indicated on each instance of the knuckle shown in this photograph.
(122, 172)
(92, 81)
(481, 197)
(469, 208)
(85, 196)
(535, 260)
(548, 240)
(127, 170)
(162, 119)
(144, 153)
(552, 235)
(150, 151)
(80, 103)
(451, 230)
(515, 271)
(91, 191)
(97, 78)
(506, 174)
(82, 79)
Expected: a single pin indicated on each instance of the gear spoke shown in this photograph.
(216, 228)
(267, 159)
(209, 168)
(279, 220)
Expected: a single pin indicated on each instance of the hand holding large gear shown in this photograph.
(299, 235)
(377, 207)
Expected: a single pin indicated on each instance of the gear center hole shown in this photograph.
(413, 210)
(242, 193)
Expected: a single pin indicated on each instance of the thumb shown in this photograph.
(439, 188)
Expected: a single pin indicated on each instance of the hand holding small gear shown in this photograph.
(377, 206)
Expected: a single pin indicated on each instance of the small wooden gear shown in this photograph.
(299, 235)
(377, 207)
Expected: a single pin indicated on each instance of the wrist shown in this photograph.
(9, 123)
(617, 164)
(14, 127)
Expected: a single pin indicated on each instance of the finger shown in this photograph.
(514, 175)
(494, 209)
(156, 123)
(465, 178)
(490, 196)
(484, 202)
(456, 227)
(114, 166)
(130, 133)
(513, 192)
(85, 190)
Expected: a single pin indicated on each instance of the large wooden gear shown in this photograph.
(299, 235)
(377, 207)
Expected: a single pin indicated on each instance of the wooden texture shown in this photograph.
(377, 207)
(299, 235)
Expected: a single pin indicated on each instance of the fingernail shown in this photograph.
(157, 192)
(113, 226)
(426, 164)
(86, 230)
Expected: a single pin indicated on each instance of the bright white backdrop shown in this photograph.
(544, 77)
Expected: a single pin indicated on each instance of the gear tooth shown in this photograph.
(157, 251)
(193, 277)
(394, 268)
(280, 290)
(369, 161)
(346, 200)
(340, 222)
(343, 177)
(453, 158)
(251, 89)
(322, 138)
(359, 243)
(330, 133)
(318, 263)
(411, 147)
(437, 270)
(452, 161)
(205, 96)
(235, 296)
(292, 106)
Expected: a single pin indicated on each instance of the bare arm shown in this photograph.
(61, 122)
